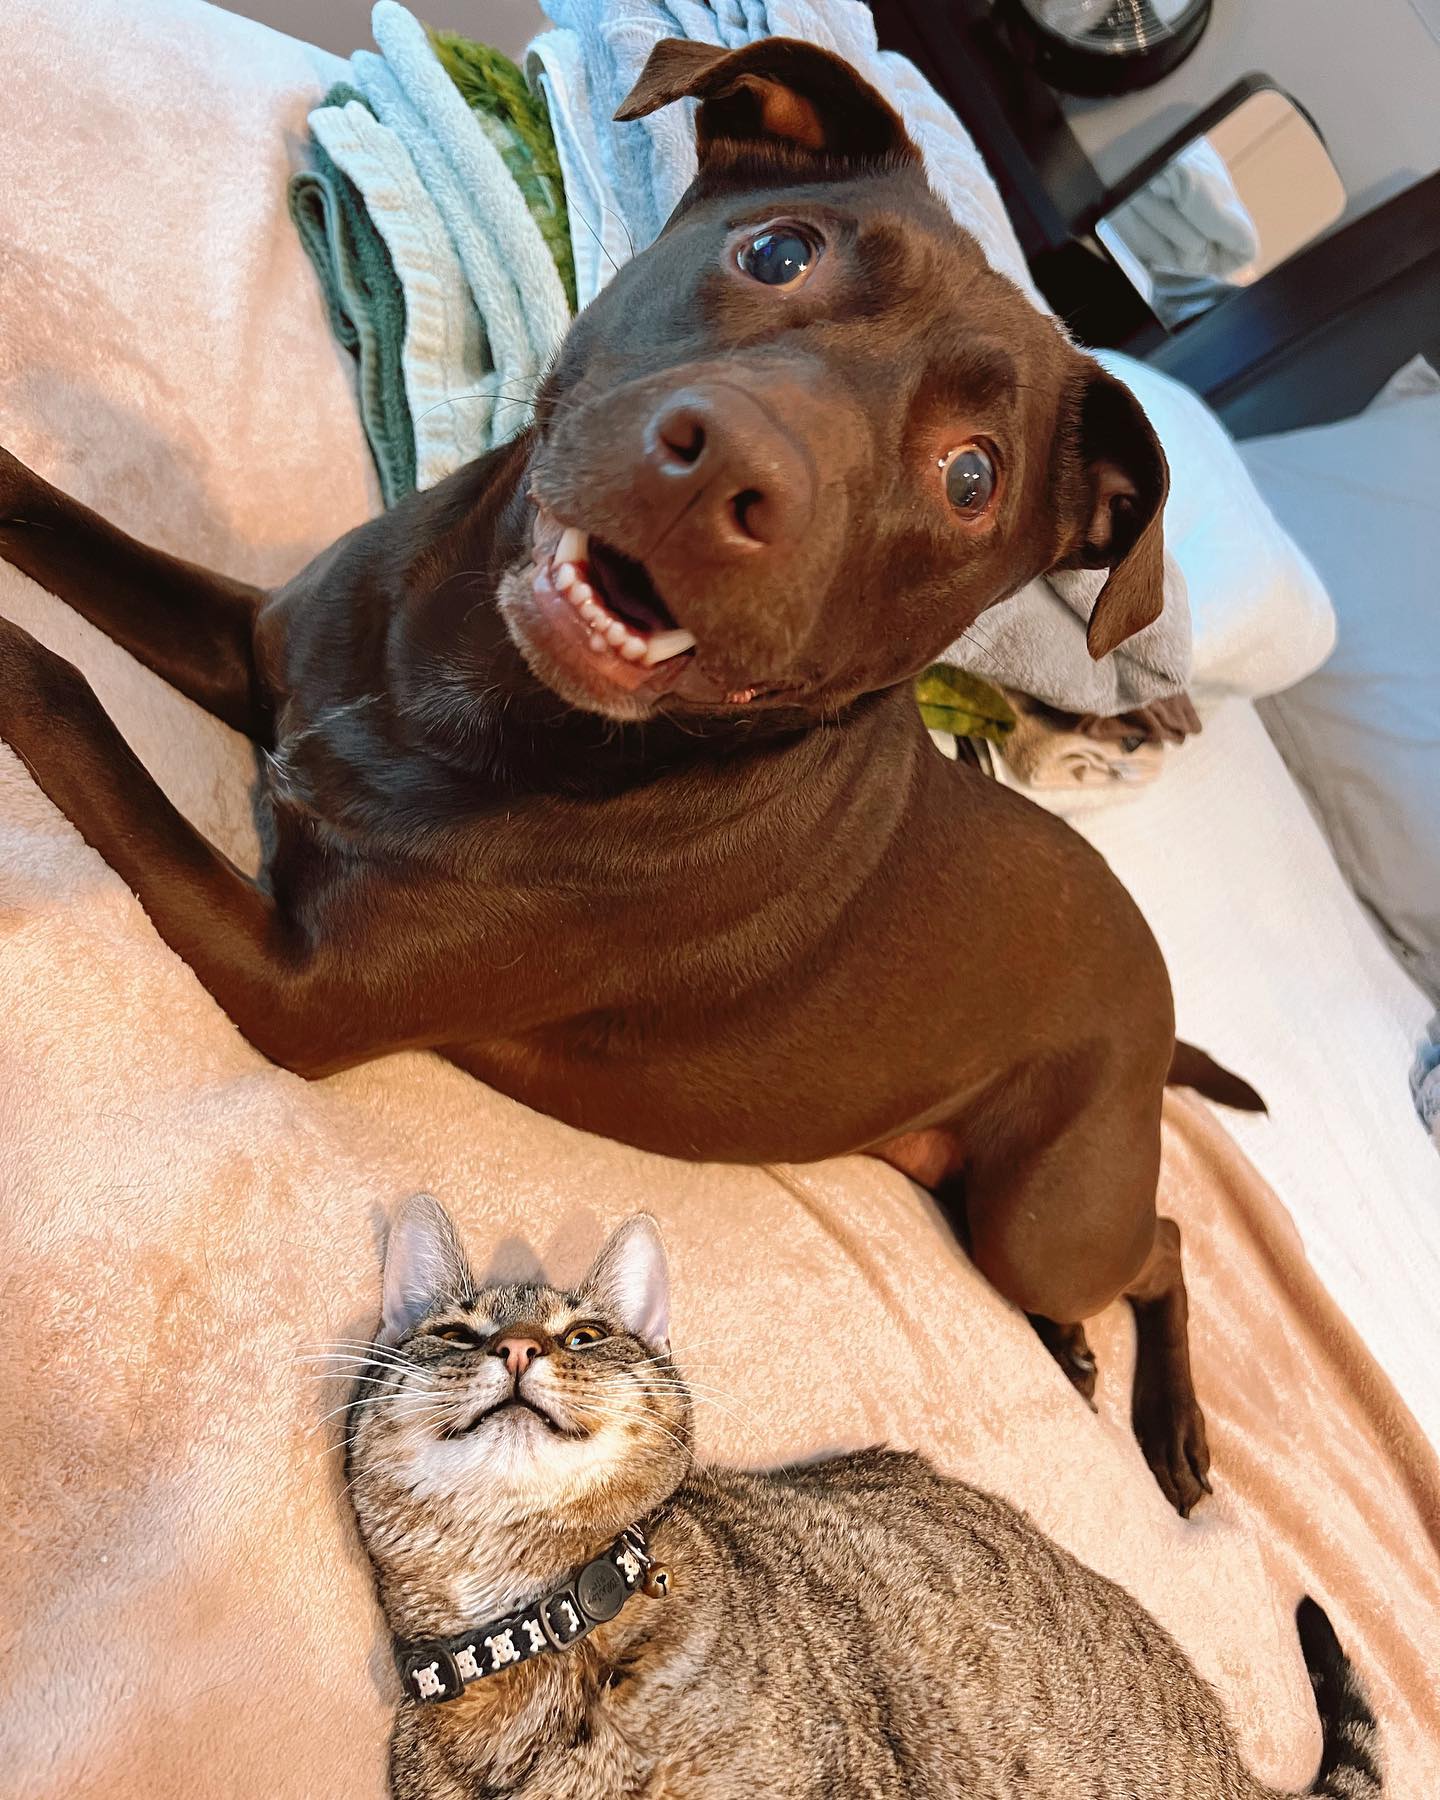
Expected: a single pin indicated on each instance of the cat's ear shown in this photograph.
(424, 1266)
(631, 1280)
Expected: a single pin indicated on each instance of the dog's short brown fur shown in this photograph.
(735, 908)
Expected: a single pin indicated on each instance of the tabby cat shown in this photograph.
(583, 1614)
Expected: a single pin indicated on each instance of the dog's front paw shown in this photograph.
(1171, 1432)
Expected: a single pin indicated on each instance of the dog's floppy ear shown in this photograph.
(776, 90)
(1123, 483)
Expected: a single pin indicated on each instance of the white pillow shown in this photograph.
(1363, 735)
(1259, 613)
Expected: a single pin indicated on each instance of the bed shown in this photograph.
(183, 1224)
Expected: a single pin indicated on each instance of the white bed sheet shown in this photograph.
(1279, 973)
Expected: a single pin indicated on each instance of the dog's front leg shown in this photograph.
(195, 629)
(292, 1007)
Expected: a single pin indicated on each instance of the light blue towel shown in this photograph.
(511, 274)
(485, 309)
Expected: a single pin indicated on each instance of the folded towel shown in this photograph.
(434, 154)
(512, 276)
(624, 180)
(366, 306)
(443, 355)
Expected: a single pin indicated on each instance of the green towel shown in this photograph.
(518, 125)
(366, 306)
(954, 701)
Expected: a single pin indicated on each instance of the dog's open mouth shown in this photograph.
(603, 619)
(614, 596)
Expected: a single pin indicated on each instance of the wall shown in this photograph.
(1368, 72)
(344, 25)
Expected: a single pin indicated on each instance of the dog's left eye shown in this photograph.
(580, 1337)
(970, 479)
(779, 257)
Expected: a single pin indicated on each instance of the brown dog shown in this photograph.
(597, 768)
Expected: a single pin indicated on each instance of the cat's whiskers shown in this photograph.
(372, 1352)
(388, 1378)
(701, 1392)
(398, 1401)
(340, 1360)
(662, 1431)
(711, 1396)
(740, 1426)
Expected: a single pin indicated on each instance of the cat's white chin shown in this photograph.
(513, 1466)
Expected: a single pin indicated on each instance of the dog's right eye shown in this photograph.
(779, 257)
(970, 479)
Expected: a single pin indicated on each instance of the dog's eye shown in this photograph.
(580, 1337)
(781, 256)
(457, 1334)
(969, 476)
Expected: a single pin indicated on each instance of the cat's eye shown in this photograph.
(580, 1337)
(460, 1335)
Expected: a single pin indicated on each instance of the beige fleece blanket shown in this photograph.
(183, 1605)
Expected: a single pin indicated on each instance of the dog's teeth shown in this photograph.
(589, 611)
(615, 635)
(566, 575)
(597, 643)
(581, 592)
(633, 649)
(572, 546)
(662, 645)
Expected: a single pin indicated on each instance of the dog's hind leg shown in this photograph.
(1164, 1409)
(193, 628)
(1067, 1226)
(1070, 1347)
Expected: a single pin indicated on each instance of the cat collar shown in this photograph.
(441, 1668)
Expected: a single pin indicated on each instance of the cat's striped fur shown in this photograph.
(861, 1627)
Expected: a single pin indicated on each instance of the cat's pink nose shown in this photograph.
(518, 1352)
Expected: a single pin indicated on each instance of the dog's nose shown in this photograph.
(736, 481)
(517, 1352)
